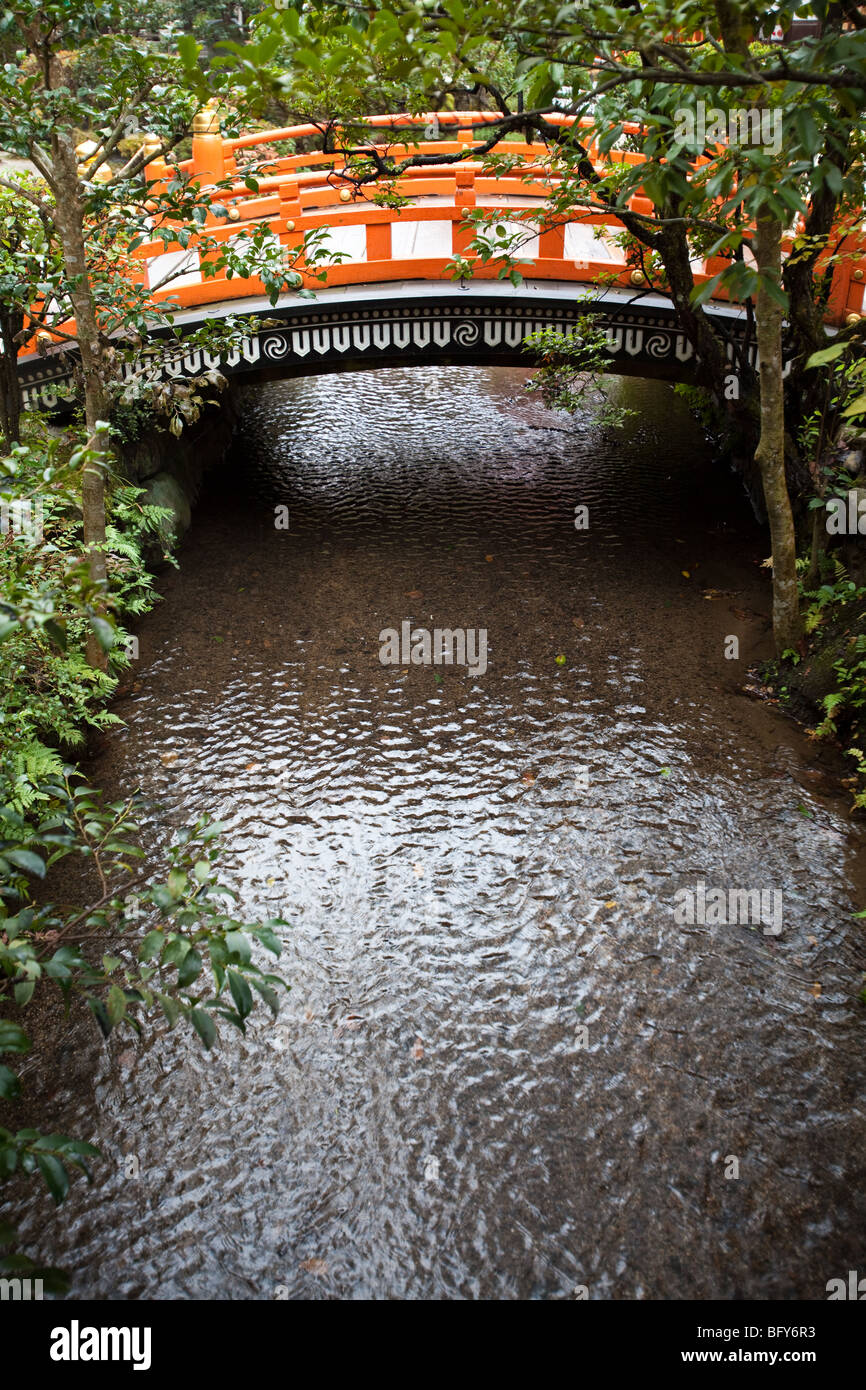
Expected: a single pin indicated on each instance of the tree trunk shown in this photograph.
(11, 323)
(770, 453)
(70, 226)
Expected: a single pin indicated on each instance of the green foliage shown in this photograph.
(570, 367)
(140, 948)
(49, 695)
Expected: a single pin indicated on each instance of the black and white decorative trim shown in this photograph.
(452, 327)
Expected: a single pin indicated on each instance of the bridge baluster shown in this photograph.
(286, 224)
(208, 150)
(378, 241)
(551, 244)
(464, 197)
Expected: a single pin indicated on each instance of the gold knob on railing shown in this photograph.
(858, 274)
(637, 277)
(851, 320)
(234, 214)
(44, 339)
(345, 195)
(290, 226)
(207, 121)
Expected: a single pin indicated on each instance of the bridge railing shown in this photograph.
(300, 192)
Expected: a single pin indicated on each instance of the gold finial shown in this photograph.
(207, 121)
(852, 320)
(44, 339)
(637, 277)
(234, 214)
(345, 195)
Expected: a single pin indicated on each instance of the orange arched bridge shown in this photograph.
(396, 296)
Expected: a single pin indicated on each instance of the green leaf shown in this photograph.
(204, 1026)
(100, 1013)
(269, 939)
(116, 1005)
(55, 1175)
(829, 354)
(269, 994)
(240, 992)
(151, 945)
(105, 633)
(188, 50)
(239, 945)
(190, 969)
(24, 992)
(13, 1038)
(170, 1008)
(10, 1086)
(24, 859)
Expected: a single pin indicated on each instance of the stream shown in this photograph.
(506, 1069)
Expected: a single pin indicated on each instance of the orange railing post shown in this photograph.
(288, 219)
(208, 149)
(464, 197)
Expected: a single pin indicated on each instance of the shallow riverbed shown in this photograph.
(504, 1070)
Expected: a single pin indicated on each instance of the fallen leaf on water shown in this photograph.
(352, 1022)
(414, 593)
(270, 882)
(253, 767)
(418, 1050)
(489, 559)
(816, 990)
(418, 870)
(561, 660)
(578, 622)
(529, 778)
(168, 758)
(612, 903)
(314, 1266)
(685, 574)
(812, 940)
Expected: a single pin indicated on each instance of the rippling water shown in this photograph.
(503, 1070)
